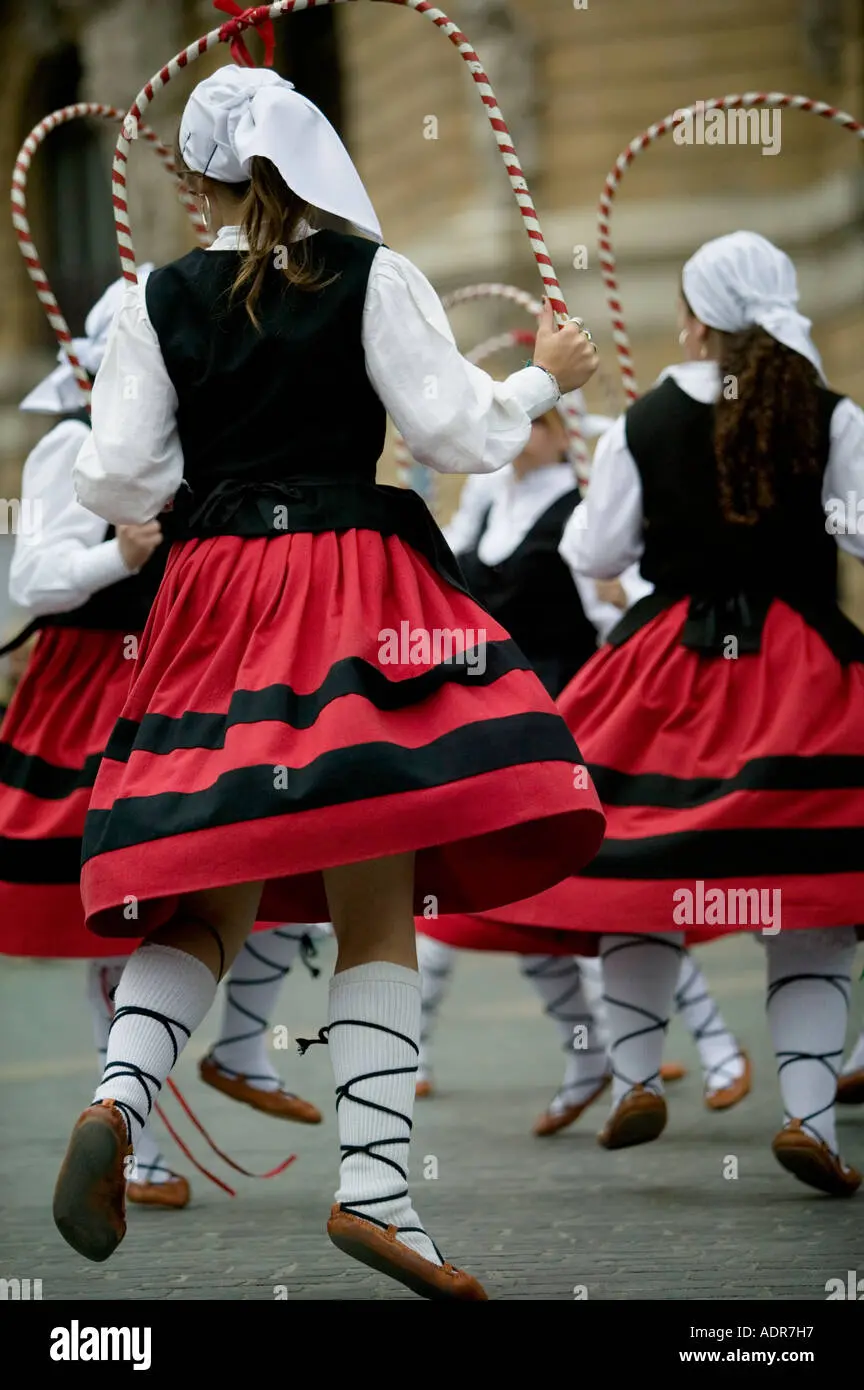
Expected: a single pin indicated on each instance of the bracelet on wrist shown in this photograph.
(558, 391)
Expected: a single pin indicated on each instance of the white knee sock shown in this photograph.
(592, 984)
(436, 962)
(809, 982)
(558, 981)
(722, 1062)
(250, 997)
(856, 1057)
(162, 998)
(374, 1033)
(103, 977)
(639, 975)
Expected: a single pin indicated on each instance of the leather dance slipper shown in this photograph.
(730, 1095)
(380, 1250)
(281, 1104)
(173, 1193)
(90, 1196)
(672, 1071)
(850, 1088)
(640, 1117)
(812, 1162)
(551, 1121)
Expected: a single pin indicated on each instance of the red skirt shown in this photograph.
(733, 789)
(297, 706)
(51, 740)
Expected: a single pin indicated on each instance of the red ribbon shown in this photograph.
(239, 52)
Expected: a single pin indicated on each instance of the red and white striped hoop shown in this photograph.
(229, 32)
(22, 225)
(625, 159)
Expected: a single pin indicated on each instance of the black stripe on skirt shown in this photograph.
(702, 854)
(339, 777)
(27, 772)
(40, 861)
(828, 772)
(160, 733)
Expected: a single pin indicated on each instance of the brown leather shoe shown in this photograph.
(173, 1193)
(735, 1091)
(281, 1104)
(551, 1121)
(382, 1251)
(640, 1117)
(423, 1090)
(850, 1088)
(90, 1196)
(812, 1162)
(672, 1071)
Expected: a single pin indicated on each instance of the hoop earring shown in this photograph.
(208, 216)
(703, 353)
(683, 336)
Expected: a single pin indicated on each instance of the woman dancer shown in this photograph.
(506, 534)
(725, 722)
(75, 582)
(293, 740)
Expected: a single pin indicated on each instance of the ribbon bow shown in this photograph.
(239, 52)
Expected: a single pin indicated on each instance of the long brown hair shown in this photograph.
(766, 421)
(270, 214)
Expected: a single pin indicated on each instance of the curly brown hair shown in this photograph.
(766, 423)
(270, 214)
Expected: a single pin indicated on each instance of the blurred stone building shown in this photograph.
(576, 80)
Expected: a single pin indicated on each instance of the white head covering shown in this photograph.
(60, 393)
(238, 113)
(741, 280)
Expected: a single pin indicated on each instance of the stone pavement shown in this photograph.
(534, 1219)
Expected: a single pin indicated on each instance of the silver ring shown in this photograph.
(586, 334)
(580, 323)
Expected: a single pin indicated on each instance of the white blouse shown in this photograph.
(513, 505)
(604, 535)
(64, 558)
(454, 417)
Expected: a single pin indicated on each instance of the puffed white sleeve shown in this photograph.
(132, 464)
(61, 556)
(453, 416)
(844, 474)
(604, 535)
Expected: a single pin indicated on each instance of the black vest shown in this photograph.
(533, 596)
(731, 572)
(290, 400)
(121, 607)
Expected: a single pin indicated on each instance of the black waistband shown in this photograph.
(291, 506)
(730, 624)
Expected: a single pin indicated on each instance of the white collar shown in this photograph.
(700, 380)
(234, 238)
(538, 479)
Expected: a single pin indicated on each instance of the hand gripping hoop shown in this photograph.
(625, 159)
(22, 225)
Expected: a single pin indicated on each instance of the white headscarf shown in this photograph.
(741, 280)
(238, 113)
(60, 393)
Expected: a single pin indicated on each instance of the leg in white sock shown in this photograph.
(721, 1057)
(436, 962)
(162, 998)
(558, 981)
(639, 974)
(809, 983)
(251, 992)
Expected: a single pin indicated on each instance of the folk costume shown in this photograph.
(292, 710)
